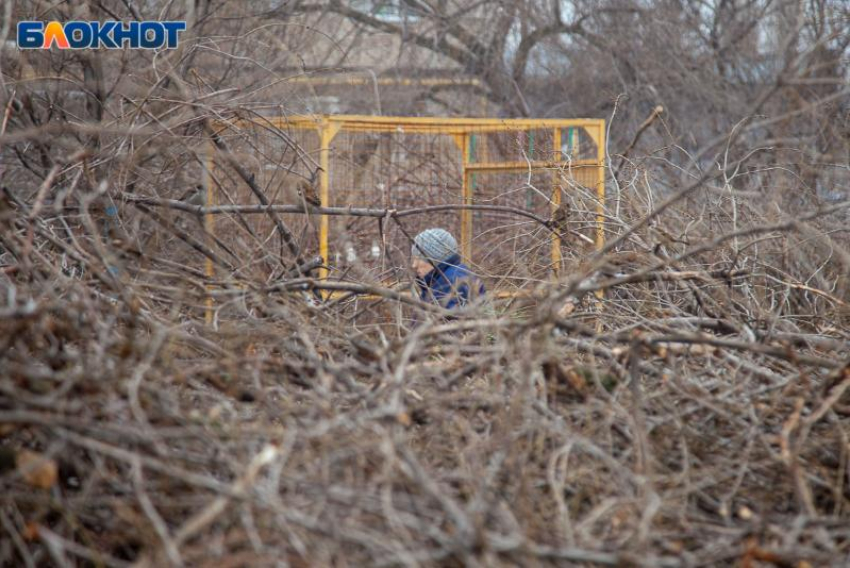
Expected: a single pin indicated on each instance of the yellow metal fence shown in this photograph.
(553, 168)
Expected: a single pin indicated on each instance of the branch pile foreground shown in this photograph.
(139, 436)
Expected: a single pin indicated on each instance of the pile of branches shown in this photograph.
(658, 412)
(679, 398)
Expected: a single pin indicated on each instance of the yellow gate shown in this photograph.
(469, 175)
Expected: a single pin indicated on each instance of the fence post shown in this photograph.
(600, 187)
(556, 199)
(600, 210)
(466, 214)
(328, 128)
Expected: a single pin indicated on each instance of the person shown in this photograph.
(441, 277)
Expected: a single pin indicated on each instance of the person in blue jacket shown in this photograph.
(441, 276)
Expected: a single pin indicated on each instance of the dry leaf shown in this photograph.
(576, 381)
(36, 469)
(701, 349)
(30, 532)
(568, 308)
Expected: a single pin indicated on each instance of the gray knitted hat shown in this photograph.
(436, 245)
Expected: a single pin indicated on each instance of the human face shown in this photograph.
(421, 266)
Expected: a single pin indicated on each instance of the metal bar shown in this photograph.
(600, 188)
(572, 144)
(600, 210)
(327, 131)
(419, 125)
(497, 294)
(466, 194)
(523, 166)
(474, 123)
(556, 202)
(529, 192)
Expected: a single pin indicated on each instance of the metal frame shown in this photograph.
(462, 131)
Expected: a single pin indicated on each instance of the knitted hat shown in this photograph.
(436, 245)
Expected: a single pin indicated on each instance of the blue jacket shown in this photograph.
(449, 284)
